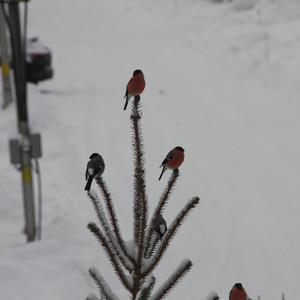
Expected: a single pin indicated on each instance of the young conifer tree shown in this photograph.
(134, 266)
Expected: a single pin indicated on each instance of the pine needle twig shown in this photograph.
(109, 234)
(152, 244)
(140, 203)
(111, 254)
(105, 291)
(169, 235)
(160, 206)
(181, 270)
(140, 197)
(112, 215)
(147, 288)
(92, 296)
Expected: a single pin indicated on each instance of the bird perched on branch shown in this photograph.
(238, 293)
(173, 160)
(95, 168)
(135, 86)
(159, 226)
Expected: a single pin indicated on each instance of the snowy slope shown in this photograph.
(223, 82)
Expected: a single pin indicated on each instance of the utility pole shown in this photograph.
(18, 60)
(5, 63)
(21, 94)
(25, 147)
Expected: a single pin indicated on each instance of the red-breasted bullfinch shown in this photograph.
(135, 86)
(173, 160)
(159, 226)
(95, 168)
(238, 293)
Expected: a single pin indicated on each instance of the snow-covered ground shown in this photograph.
(223, 82)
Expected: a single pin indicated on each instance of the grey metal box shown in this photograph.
(35, 145)
(15, 151)
(35, 148)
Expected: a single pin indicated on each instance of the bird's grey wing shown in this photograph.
(168, 157)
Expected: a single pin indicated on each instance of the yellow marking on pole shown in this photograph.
(27, 174)
(5, 70)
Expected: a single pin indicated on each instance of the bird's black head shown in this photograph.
(238, 286)
(137, 72)
(179, 149)
(94, 155)
(216, 297)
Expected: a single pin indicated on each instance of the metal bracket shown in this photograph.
(35, 148)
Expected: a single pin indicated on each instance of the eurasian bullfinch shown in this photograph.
(238, 293)
(212, 296)
(95, 168)
(173, 160)
(135, 86)
(159, 226)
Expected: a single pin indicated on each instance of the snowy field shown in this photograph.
(223, 82)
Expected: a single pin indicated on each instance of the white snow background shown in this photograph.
(223, 82)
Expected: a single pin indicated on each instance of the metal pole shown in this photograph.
(28, 195)
(39, 187)
(5, 63)
(18, 56)
(18, 60)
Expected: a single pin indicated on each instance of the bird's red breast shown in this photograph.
(177, 158)
(136, 85)
(238, 294)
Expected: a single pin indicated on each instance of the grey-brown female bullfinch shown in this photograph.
(238, 293)
(159, 226)
(95, 168)
(135, 86)
(173, 160)
(212, 296)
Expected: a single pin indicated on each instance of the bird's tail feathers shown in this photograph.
(89, 183)
(162, 172)
(126, 103)
(127, 97)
